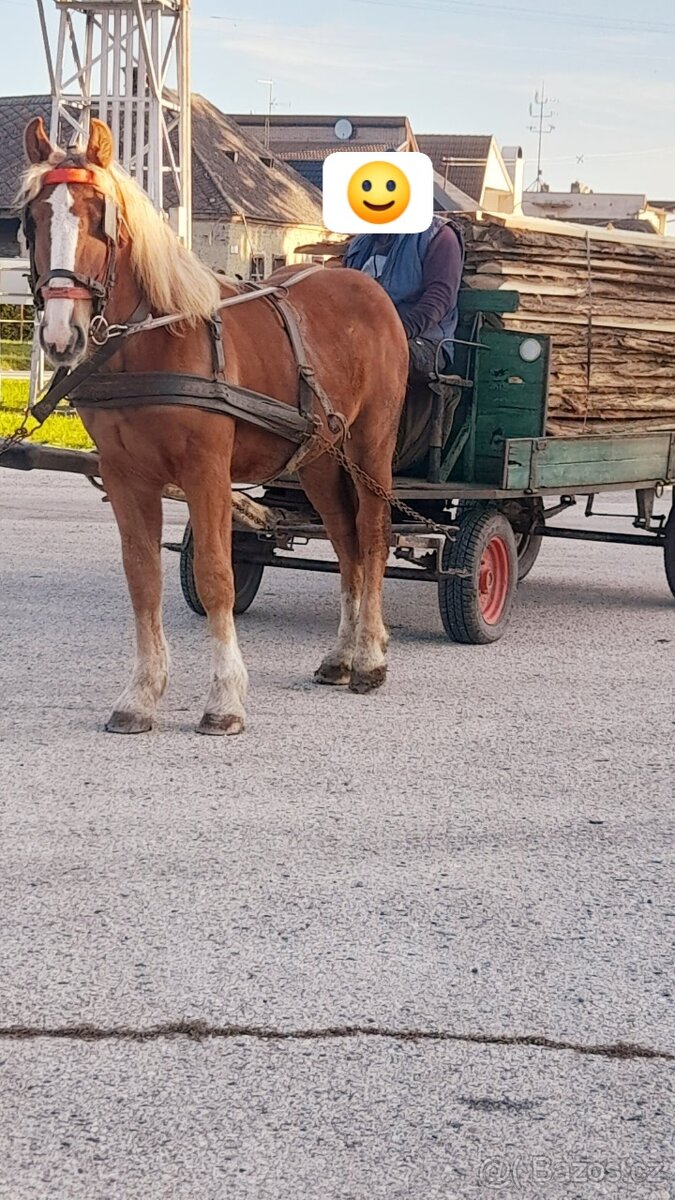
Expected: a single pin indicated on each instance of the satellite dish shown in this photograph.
(343, 129)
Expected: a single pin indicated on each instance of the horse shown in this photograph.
(358, 350)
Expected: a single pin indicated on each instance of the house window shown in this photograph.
(257, 267)
(278, 260)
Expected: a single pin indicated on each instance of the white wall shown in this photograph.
(229, 246)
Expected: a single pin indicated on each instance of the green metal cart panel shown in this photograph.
(566, 463)
(509, 401)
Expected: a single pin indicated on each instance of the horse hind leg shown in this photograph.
(369, 666)
(211, 516)
(333, 496)
(138, 511)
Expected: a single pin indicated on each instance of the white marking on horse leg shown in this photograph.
(150, 674)
(229, 683)
(57, 330)
(349, 615)
(341, 657)
(372, 639)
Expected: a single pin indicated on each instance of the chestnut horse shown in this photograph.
(356, 345)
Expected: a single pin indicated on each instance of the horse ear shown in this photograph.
(101, 147)
(37, 144)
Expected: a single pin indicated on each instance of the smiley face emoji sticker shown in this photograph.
(378, 192)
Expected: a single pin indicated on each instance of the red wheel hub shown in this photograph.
(493, 580)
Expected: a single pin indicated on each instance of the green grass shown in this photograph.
(14, 356)
(14, 394)
(61, 429)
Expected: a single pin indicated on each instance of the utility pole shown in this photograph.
(540, 116)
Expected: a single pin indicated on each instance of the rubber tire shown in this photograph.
(528, 546)
(247, 579)
(458, 598)
(669, 550)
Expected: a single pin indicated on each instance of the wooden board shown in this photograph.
(605, 297)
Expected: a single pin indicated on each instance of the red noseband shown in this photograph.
(66, 293)
(71, 175)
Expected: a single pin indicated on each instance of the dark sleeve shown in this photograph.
(441, 279)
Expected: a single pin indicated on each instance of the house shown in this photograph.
(303, 142)
(250, 210)
(478, 168)
(469, 172)
(585, 207)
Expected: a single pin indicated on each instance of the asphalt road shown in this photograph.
(479, 854)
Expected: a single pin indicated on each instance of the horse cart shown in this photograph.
(484, 502)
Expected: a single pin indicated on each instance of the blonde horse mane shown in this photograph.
(171, 277)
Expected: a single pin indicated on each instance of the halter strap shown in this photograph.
(71, 175)
(79, 287)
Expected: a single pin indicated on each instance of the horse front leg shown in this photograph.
(211, 516)
(138, 511)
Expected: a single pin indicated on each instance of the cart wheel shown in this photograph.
(476, 610)
(187, 573)
(669, 550)
(247, 577)
(528, 546)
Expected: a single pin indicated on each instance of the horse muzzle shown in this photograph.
(64, 344)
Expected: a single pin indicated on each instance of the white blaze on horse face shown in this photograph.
(57, 330)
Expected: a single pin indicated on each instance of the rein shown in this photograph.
(259, 293)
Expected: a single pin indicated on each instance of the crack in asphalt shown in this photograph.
(203, 1030)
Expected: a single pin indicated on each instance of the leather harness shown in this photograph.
(87, 386)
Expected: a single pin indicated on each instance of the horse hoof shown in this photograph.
(333, 674)
(128, 722)
(214, 726)
(362, 682)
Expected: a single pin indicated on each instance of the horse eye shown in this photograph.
(391, 186)
(366, 185)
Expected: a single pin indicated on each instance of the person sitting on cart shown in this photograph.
(422, 274)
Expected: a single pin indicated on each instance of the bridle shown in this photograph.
(80, 287)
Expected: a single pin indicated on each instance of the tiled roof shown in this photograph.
(279, 121)
(309, 162)
(300, 153)
(261, 192)
(307, 132)
(311, 169)
(15, 113)
(470, 155)
(221, 187)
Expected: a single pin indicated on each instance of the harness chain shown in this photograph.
(357, 472)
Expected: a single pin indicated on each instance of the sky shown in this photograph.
(451, 66)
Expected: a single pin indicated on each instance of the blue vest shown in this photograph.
(401, 275)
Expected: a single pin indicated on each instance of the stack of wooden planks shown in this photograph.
(606, 297)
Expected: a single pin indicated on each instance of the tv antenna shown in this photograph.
(541, 126)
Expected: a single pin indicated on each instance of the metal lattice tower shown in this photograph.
(128, 62)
